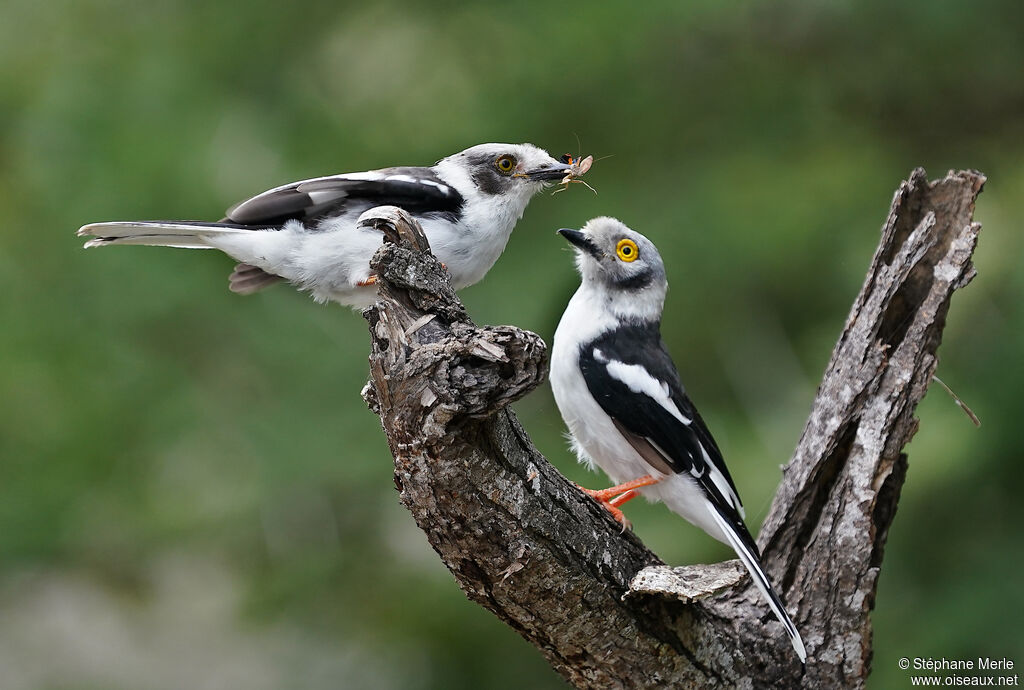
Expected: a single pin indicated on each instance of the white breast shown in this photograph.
(595, 439)
(470, 248)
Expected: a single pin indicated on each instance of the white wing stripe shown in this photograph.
(369, 175)
(639, 380)
(444, 188)
(721, 483)
(298, 185)
(318, 197)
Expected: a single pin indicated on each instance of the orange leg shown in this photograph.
(615, 496)
(619, 500)
(606, 495)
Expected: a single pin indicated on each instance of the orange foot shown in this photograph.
(615, 496)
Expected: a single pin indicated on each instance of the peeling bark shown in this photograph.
(523, 542)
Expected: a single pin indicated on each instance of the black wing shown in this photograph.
(617, 367)
(417, 190)
(630, 374)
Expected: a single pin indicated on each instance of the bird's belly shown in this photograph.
(597, 441)
(606, 447)
(601, 444)
(331, 261)
(680, 493)
(595, 438)
(467, 254)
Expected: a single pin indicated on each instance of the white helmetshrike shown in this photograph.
(626, 409)
(306, 232)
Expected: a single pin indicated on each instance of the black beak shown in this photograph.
(554, 171)
(581, 240)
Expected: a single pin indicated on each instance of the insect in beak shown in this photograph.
(577, 167)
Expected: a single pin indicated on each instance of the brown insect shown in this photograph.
(580, 166)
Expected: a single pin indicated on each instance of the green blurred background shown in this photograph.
(193, 494)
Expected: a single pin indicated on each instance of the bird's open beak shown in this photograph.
(552, 171)
(580, 240)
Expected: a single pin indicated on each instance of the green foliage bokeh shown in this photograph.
(190, 480)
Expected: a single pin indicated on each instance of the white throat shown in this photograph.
(487, 220)
(645, 304)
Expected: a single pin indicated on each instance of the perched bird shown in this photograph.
(306, 232)
(621, 398)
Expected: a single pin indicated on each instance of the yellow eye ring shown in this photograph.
(626, 250)
(505, 164)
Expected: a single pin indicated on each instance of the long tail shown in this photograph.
(161, 233)
(748, 555)
(187, 234)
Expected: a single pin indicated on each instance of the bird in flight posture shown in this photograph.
(306, 232)
(621, 398)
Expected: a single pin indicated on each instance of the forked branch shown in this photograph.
(523, 542)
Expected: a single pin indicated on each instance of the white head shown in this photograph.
(620, 267)
(512, 172)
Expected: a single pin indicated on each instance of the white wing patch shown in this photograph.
(322, 197)
(639, 380)
(418, 180)
(370, 176)
(445, 189)
(323, 189)
(317, 183)
(721, 483)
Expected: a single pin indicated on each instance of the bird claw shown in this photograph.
(620, 517)
(607, 504)
(613, 497)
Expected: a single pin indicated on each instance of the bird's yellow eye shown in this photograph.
(505, 164)
(626, 250)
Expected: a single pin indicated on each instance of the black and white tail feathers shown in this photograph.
(186, 234)
(744, 546)
(245, 280)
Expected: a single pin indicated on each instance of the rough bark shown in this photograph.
(523, 542)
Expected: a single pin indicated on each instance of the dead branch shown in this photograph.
(523, 542)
